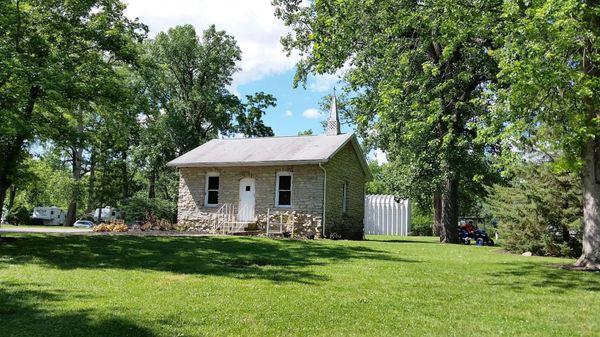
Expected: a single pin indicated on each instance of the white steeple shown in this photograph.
(333, 123)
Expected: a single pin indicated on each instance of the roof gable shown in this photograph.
(268, 151)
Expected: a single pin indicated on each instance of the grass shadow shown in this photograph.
(23, 316)
(403, 240)
(521, 276)
(244, 258)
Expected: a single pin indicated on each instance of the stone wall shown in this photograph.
(307, 189)
(345, 167)
(295, 224)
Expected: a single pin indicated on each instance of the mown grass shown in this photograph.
(215, 286)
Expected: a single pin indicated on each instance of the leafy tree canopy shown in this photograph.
(417, 70)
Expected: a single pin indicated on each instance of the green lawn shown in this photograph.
(203, 286)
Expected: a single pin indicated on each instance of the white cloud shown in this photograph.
(311, 113)
(326, 82)
(379, 156)
(323, 83)
(251, 22)
(289, 113)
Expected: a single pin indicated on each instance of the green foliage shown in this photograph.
(550, 77)
(417, 71)
(106, 110)
(308, 132)
(421, 222)
(189, 82)
(19, 216)
(186, 79)
(378, 184)
(56, 57)
(139, 207)
(540, 211)
(47, 182)
(548, 98)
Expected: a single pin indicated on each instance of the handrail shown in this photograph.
(224, 215)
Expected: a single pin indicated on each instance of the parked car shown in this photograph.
(83, 224)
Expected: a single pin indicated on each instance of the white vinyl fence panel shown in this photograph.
(386, 216)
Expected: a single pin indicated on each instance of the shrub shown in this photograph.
(138, 207)
(421, 224)
(346, 227)
(19, 216)
(539, 212)
(152, 222)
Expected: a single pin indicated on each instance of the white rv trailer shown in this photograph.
(48, 216)
(107, 214)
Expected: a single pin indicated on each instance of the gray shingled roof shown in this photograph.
(267, 151)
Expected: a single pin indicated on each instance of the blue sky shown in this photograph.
(264, 66)
(296, 110)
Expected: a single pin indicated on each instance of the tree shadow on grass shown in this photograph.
(22, 313)
(243, 258)
(524, 275)
(403, 240)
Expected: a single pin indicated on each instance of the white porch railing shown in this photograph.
(227, 221)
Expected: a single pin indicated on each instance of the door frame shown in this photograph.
(243, 183)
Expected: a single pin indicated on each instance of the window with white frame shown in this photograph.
(283, 189)
(212, 189)
(345, 197)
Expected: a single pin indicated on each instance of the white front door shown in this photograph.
(246, 203)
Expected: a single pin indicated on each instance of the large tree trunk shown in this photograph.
(12, 192)
(152, 185)
(91, 182)
(437, 214)
(2, 197)
(125, 175)
(450, 211)
(13, 153)
(590, 257)
(77, 166)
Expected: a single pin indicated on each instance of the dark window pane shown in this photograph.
(213, 183)
(285, 182)
(213, 197)
(247, 188)
(285, 198)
